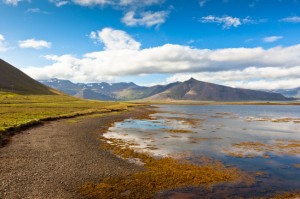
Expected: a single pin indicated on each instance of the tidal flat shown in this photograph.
(236, 135)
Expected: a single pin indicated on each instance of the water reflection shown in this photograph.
(253, 138)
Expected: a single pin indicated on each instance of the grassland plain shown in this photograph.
(21, 111)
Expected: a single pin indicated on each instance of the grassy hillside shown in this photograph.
(17, 111)
(14, 80)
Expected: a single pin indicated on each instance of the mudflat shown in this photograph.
(55, 159)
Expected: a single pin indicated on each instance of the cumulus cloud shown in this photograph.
(272, 39)
(250, 77)
(226, 21)
(3, 44)
(122, 56)
(33, 43)
(115, 39)
(12, 2)
(294, 19)
(147, 19)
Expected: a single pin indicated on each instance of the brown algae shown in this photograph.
(179, 131)
(296, 166)
(253, 149)
(160, 174)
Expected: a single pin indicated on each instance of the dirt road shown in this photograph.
(57, 158)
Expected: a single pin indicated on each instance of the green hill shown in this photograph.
(14, 80)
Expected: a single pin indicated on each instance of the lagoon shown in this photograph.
(263, 140)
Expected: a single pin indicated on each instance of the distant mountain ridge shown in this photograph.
(295, 92)
(99, 91)
(188, 90)
(14, 80)
(204, 91)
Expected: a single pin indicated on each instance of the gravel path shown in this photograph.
(55, 159)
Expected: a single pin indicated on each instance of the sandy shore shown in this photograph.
(57, 158)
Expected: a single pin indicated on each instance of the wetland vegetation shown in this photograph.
(266, 150)
(160, 174)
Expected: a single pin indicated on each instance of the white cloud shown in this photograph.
(59, 3)
(33, 43)
(226, 21)
(136, 2)
(147, 19)
(93, 35)
(115, 39)
(3, 44)
(267, 84)
(35, 10)
(92, 2)
(272, 39)
(202, 2)
(251, 77)
(123, 57)
(294, 19)
(12, 2)
(122, 3)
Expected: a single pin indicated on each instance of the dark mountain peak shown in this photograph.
(14, 80)
(132, 84)
(192, 80)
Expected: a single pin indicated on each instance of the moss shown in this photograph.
(160, 174)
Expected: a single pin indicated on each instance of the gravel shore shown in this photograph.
(57, 158)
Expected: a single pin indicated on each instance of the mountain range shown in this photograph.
(191, 89)
(295, 92)
(14, 80)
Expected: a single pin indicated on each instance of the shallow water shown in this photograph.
(193, 131)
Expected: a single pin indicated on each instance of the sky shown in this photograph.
(251, 44)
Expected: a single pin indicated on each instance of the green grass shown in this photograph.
(17, 111)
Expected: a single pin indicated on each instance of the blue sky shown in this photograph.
(250, 43)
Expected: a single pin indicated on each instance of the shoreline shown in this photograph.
(55, 159)
(207, 103)
(71, 148)
(8, 133)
